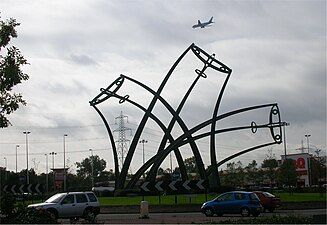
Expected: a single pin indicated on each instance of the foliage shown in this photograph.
(276, 219)
(10, 72)
(84, 168)
(234, 174)
(33, 216)
(190, 165)
(7, 205)
(270, 166)
(287, 173)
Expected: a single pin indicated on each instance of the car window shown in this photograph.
(239, 196)
(267, 194)
(80, 198)
(55, 199)
(69, 199)
(253, 196)
(92, 197)
(225, 197)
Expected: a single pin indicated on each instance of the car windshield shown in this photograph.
(253, 196)
(55, 199)
(267, 194)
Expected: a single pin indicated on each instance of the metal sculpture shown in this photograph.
(190, 135)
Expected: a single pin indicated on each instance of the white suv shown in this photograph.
(72, 205)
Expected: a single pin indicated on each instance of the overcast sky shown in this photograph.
(276, 49)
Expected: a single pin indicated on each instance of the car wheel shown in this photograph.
(53, 213)
(89, 215)
(208, 211)
(245, 212)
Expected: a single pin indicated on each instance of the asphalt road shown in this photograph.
(187, 218)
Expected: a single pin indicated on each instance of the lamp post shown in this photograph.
(143, 141)
(309, 172)
(307, 136)
(46, 172)
(53, 154)
(92, 179)
(17, 146)
(5, 159)
(284, 125)
(65, 135)
(27, 176)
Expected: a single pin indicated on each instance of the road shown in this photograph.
(188, 218)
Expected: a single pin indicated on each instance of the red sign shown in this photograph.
(299, 163)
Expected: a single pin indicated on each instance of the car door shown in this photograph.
(222, 203)
(81, 203)
(67, 206)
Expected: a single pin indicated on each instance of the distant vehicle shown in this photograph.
(101, 188)
(235, 202)
(268, 201)
(203, 25)
(72, 205)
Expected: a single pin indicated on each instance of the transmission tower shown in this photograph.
(122, 141)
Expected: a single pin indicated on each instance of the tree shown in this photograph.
(252, 172)
(287, 174)
(84, 168)
(269, 166)
(190, 165)
(11, 74)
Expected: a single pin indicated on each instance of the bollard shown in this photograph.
(144, 210)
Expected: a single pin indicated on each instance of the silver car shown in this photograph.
(72, 205)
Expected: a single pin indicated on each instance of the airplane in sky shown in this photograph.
(203, 25)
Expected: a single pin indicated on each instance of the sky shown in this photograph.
(276, 50)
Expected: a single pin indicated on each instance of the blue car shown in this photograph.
(235, 202)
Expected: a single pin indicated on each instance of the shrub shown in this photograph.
(272, 220)
(31, 216)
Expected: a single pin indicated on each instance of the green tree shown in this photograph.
(11, 74)
(84, 168)
(190, 165)
(252, 172)
(234, 175)
(269, 166)
(287, 174)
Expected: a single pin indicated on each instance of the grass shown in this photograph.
(193, 199)
(200, 198)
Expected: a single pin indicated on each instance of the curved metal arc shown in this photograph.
(195, 150)
(243, 152)
(128, 159)
(174, 114)
(181, 140)
(220, 66)
(112, 140)
(106, 91)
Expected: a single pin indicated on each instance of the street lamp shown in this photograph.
(5, 159)
(17, 146)
(307, 136)
(92, 179)
(53, 154)
(143, 141)
(309, 172)
(27, 177)
(46, 171)
(65, 135)
(284, 125)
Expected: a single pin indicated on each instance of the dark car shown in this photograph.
(235, 202)
(268, 201)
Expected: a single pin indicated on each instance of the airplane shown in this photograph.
(203, 25)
